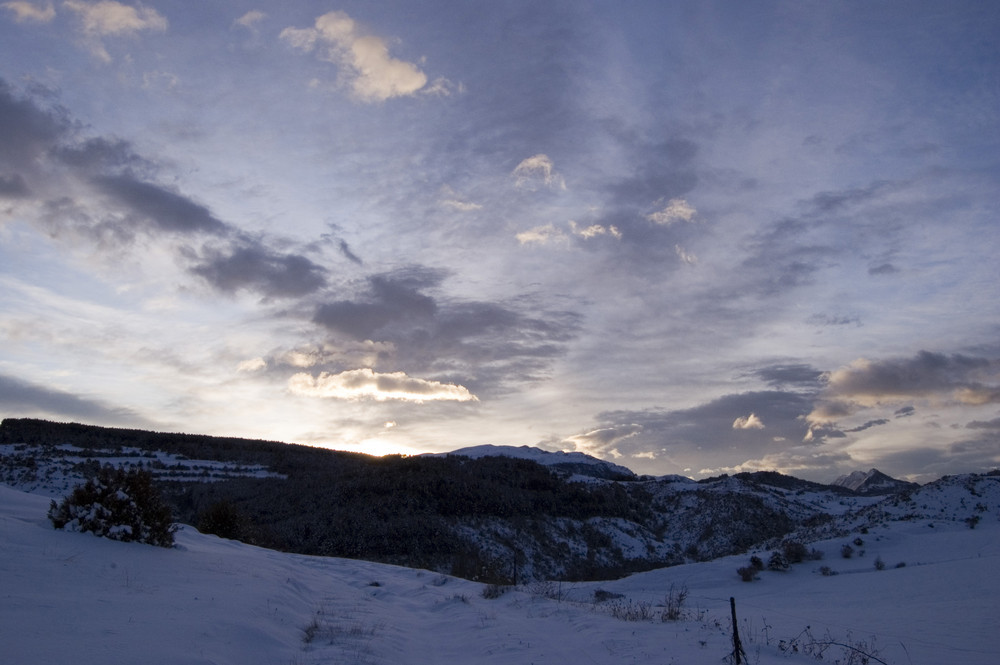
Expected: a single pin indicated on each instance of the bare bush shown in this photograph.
(674, 603)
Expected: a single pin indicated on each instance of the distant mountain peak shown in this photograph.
(872, 482)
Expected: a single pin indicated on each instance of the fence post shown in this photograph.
(738, 652)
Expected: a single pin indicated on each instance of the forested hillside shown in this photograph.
(492, 518)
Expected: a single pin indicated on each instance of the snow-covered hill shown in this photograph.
(574, 464)
(74, 598)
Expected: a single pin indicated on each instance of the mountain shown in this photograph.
(570, 464)
(872, 482)
(497, 513)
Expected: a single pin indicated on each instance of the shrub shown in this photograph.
(602, 595)
(494, 591)
(846, 551)
(827, 571)
(879, 563)
(117, 504)
(795, 552)
(756, 563)
(747, 573)
(777, 562)
(673, 604)
(629, 611)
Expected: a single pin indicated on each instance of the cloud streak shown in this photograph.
(24, 397)
(367, 384)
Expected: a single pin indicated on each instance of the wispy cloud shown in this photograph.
(30, 12)
(251, 19)
(108, 18)
(537, 170)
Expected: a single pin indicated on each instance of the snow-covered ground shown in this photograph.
(55, 470)
(73, 598)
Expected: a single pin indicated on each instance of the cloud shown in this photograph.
(461, 206)
(748, 422)
(393, 299)
(550, 233)
(676, 210)
(868, 425)
(685, 256)
(112, 19)
(594, 230)
(250, 265)
(705, 435)
(984, 424)
(800, 461)
(101, 191)
(540, 235)
(829, 320)
(658, 170)
(487, 346)
(29, 131)
(794, 375)
(28, 11)
(252, 365)
(955, 378)
(29, 398)
(165, 209)
(13, 186)
(367, 384)
(250, 19)
(883, 269)
(828, 202)
(602, 441)
(364, 60)
(535, 170)
(936, 378)
(451, 200)
(345, 249)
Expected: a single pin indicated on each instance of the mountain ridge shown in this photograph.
(490, 517)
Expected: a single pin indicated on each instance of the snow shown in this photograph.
(75, 598)
(54, 470)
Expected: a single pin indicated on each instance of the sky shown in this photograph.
(691, 238)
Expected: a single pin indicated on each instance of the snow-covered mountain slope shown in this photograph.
(55, 469)
(74, 598)
(579, 464)
(872, 482)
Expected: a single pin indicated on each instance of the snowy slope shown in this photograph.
(74, 598)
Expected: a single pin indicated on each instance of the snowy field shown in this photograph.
(73, 598)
